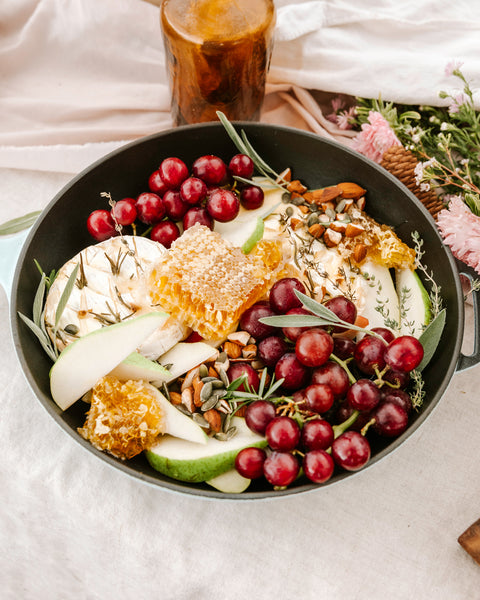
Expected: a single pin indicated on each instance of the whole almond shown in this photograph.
(359, 252)
(232, 349)
(351, 190)
(214, 419)
(175, 397)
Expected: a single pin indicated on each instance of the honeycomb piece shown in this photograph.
(383, 245)
(208, 283)
(124, 417)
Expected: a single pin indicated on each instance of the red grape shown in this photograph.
(404, 353)
(173, 171)
(101, 225)
(252, 197)
(344, 308)
(193, 190)
(369, 355)
(249, 462)
(282, 433)
(165, 232)
(334, 375)
(317, 434)
(318, 397)
(351, 451)
(318, 466)
(282, 295)
(197, 215)
(241, 165)
(271, 349)
(292, 371)
(124, 212)
(150, 208)
(238, 369)
(250, 321)
(223, 205)
(259, 414)
(390, 419)
(363, 395)
(211, 169)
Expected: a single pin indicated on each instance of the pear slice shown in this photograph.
(136, 366)
(83, 362)
(379, 293)
(177, 424)
(230, 482)
(193, 463)
(185, 355)
(415, 304)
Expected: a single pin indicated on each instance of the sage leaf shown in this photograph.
(294, 321)
(42, 338)
(430, 338)
(62, 303)
(38, 301)
(316, 308)
(230, 129)
(19, 224)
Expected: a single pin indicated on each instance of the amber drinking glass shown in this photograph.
(217, 57)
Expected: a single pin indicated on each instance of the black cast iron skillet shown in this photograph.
(60, 232)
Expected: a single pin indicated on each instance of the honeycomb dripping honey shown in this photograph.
(208, 283)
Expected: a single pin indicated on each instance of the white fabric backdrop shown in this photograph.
(77, 79)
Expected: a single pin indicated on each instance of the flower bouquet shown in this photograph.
(435, 151)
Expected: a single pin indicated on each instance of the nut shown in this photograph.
(351, 190)
(316, 230)
(361, 202)
(239, 337)
(295, 223)
(325, 195)
(175, 398)
(359, 252)
(249, 351)
(303, 209)
(296, 186)
(214, 419)
(197, 388)
(353, 229)
(332, 238)
(285, 175)
(187, 400)
(189, 377)
(338, 226)
(232, 349)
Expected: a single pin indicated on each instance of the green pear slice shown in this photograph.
(381, 305)
(176, 423)
(184, 356)
(186, 461)
(415, 304)
(136, 366)
(230, 482)
(86, 360)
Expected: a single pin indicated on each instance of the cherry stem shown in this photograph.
(344, 366)
(342, 427)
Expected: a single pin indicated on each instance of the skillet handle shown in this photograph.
(10, 247)
(468, 361)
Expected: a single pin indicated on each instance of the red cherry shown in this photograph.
(223, 205)
(173, 171)
(165, 233)
(124, 212)
(197, 214)
(156, 183)
(101, 225)
(150, 208)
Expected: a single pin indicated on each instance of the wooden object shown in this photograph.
(470, 541)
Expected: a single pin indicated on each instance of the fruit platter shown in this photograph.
(237, 311)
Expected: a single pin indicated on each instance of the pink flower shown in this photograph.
(456, 103)
(344, 118)
(460, 229)
(375, 138)
(452, 66)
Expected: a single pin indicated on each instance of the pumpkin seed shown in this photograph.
(206, 392)
(71, 329)
(312, 220)
(217, 384)
(224, 377)
(202, 371)
(208, 404)
(199, 420)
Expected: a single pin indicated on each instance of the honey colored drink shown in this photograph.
(217, 57)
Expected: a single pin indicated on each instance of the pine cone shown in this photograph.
(401, 163)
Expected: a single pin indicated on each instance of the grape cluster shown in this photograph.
(177, 198)
(336, 390)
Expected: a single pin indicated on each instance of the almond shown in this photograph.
(239, 337)
(316, 230)
(326, 194)
(353, 229)
(214, 419)
(338, 226)
(187, 400)
(249, 351)
(197, 388)
(303, 209)
(285, 175)
(332, 238)
(351, 190)
(232, 349)
(295, 223)
(359, 252)
(175, 398)
(361, 202)
(296, 186)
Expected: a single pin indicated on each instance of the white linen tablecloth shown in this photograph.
(73, 528)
